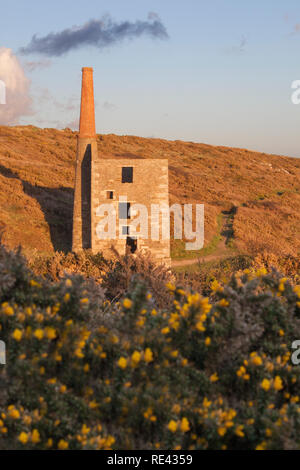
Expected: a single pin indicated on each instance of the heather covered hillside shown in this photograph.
(251, 199)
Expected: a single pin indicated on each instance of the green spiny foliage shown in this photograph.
(203, 373)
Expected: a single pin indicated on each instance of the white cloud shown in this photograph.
(17, 86)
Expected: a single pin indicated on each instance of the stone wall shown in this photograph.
(96, 180)
(150, 186)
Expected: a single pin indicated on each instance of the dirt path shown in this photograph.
(222, 250)
(207, 258)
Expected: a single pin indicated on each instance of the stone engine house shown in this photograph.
(121, 182)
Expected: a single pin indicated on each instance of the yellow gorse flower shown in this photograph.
(85, 429)
(265, 385)
(50, 332)
(63, 445)
(49, 443)
(14, 413)
(35, 436)
(261, 446)
(281, 286)
(256, 360)
(216, 287)
(23, 437)
(8, 310)
(172, 426)
(165, 330)
(214, 377)
(67, 297)
(223, 303)
(39, 333)
(277, 384)
(17, 334)
(127, 303)
(135, 358)
(222, 431)
(170, 286)
(122, 363)
(184, 425)
(239, 431)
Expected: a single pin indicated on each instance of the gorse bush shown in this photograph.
(205, 373)
(201, 279)
(114, 274)
(56, 265)
(122, 269)
(289, 265)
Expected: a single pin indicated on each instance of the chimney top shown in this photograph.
(87, 128)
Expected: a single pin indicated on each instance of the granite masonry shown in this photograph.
(121, 182)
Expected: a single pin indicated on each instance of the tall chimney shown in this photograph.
(86, 152)
(87, 127)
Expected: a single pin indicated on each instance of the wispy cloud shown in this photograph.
(74, 125)
(238, 48)
(109, 106)
(54, 112)
(100, 33)
(36, 65)
(46, 100)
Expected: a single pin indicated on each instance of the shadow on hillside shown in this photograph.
(57, 207)
(228, 231)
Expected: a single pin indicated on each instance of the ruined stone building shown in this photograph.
(121, 182)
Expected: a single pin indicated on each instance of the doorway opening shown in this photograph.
(131, 245)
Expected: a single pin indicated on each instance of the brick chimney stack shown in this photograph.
(87, 127)
(86, 153)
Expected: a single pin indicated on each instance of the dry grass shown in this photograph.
(37, 178)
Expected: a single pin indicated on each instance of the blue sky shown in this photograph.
(223, 77)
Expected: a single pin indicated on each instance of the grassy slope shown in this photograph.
(37, 178)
